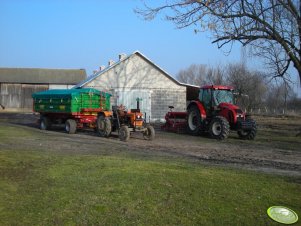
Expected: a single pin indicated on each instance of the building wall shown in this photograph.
(18, 96)
(59, 86)
(163, 98)
(10, 95)
(134, 74)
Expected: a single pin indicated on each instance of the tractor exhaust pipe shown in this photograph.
(138, 103)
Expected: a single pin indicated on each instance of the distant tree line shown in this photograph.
(253, 88)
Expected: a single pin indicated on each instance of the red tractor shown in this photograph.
(216, 113)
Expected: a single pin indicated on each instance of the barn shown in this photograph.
(18, 84)
(137, 77)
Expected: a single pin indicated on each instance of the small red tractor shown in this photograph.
(215, 112)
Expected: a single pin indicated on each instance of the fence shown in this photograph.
(274, 111)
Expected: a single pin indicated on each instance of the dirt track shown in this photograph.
(255, 155)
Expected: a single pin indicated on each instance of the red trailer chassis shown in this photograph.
(86, 118)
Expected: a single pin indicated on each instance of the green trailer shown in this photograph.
(76, 108)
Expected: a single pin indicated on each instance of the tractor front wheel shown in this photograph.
(149, 133)
(45, 123)
(219, 128)
(104, 126)
(70, 126)
(194, 120)
(248, 134)
(124, 133)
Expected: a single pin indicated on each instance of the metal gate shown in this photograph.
(129, 99)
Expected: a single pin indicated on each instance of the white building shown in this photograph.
(136, 76)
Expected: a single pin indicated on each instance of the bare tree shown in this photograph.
(249, 85)
(194, 74)
(294, 103)
(271, 28)
(201, 74)
(215, 75)
(280, 95)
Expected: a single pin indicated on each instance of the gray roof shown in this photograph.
(91, 78)
(42, 76)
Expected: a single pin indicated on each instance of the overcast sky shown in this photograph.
(88, 33)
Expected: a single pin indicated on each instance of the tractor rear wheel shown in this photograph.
(124, 133)
(149, 133)
(248, 134)
(219, 128)
(45, 123)
(70, 126)
(104, 126)
(194, 120)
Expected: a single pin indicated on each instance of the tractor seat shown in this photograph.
(135, 110)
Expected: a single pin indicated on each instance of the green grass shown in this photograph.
(45, 185)
(47, 188)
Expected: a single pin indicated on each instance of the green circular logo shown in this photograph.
(282, 214)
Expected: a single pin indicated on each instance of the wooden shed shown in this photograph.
(18, 84)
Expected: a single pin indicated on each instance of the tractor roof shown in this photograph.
(217, 87)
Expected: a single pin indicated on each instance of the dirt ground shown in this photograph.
(266, 153)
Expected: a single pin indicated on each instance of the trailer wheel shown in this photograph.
(149, 133)
(248, 134)
(45, 123)
(104, 126)
(70, 126)
(219, 128)
(194, 120)
(124, 133)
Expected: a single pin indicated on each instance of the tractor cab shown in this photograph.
(213, 96)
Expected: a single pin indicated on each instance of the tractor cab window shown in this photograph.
(223, 96)
(205, 97)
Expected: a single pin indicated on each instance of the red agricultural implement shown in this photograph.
(175, 121)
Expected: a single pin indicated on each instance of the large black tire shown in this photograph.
(149, 133)
(70, 126)
(104, 126)
(219, 128)
(124, 133)
(248, 134)
(45, 123)
(194, 120)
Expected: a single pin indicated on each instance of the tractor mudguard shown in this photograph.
(106, 113)
(200, 107)
(231, 112)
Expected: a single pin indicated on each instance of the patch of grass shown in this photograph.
(279, 139)
(267, 138)
(271, 133)
(58, 189)
(11, 132)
